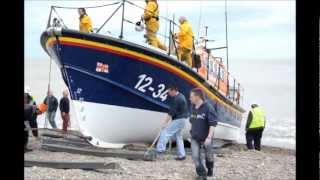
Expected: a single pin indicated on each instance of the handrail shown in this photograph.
(105, 5)
(165, 18)
(114, 12)
(130, 22)
(122, 17)
(59, 17)
(49, 19)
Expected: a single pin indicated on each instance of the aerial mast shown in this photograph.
(226, 21)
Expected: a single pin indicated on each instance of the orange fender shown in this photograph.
(42, 107)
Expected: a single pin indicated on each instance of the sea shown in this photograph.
(269, 83)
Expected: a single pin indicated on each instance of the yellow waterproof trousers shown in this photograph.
(185, 54)
(154, 41)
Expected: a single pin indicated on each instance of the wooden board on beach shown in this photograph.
(94, 152)
(71, 165)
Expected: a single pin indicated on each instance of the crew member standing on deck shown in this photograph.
(85, 21)
(254, 128)
(203, 121)
(185, 41)
(178, 113)
(65, 109)
(151, 19)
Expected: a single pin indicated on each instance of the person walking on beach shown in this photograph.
(64, 106)
(52, 103)
(254, 128)
(85, 24)
(203, 121)
(178, 114)
(33, 119)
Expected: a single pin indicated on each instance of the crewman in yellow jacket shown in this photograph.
(151, 19)
(85, 24)
(185, 41)
(254, 128)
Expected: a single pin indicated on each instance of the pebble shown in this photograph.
(234, 164)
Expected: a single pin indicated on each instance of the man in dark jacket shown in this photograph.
(29, 112)
(65, 109)
(52, 103)
(203, 120)
(33, 119)
(178, 113)
(254, 128)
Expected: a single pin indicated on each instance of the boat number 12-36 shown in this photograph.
(144, 84)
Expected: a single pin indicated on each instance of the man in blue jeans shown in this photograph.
(52, 103)
(203, 120)
(178, 113)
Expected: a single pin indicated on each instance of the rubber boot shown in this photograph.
(201, 172)
(209, 165)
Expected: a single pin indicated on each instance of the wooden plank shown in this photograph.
(72, 132)
(71, 165)
(51, 135)
(69, 132)
(65, 142)
(78, 139)
(95, 152)
(136, 147)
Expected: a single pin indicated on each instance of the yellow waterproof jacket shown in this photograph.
(85, 24)
(150, 13)
(185, 36)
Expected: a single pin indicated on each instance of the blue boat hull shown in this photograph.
(106, 71)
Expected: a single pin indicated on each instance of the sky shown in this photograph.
(256, 29)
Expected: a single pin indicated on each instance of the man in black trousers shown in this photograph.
(254, 128)
(65, 109)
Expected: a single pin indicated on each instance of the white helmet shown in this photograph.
(139, 26)
(27, 89)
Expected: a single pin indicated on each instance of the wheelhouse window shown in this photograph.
(221, 74)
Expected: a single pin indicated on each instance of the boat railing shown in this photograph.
(214, 71)
(167, 36)
(235, 91)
